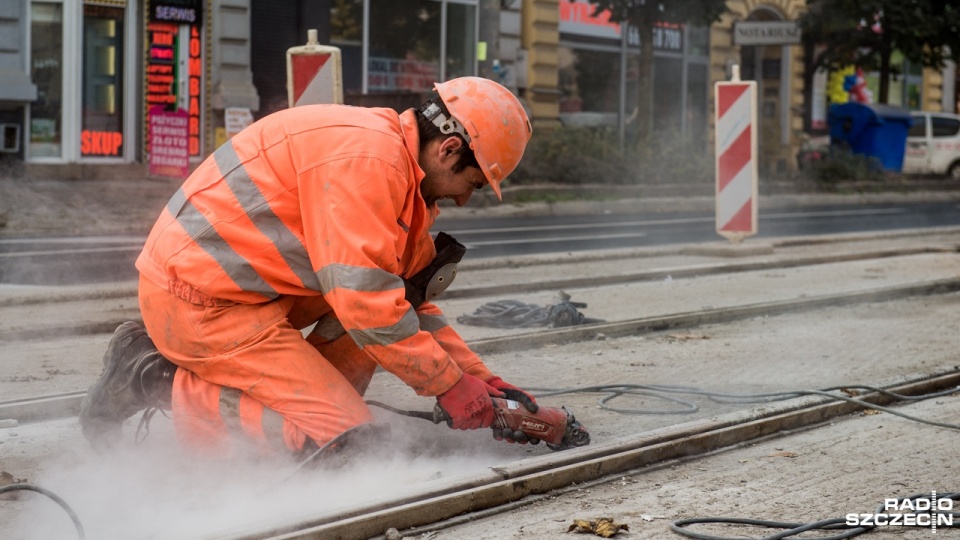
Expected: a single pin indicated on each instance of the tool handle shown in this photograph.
(440, 415)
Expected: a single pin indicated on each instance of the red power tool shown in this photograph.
(556, 427)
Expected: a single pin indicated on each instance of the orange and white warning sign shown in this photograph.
(736, 155)
(314, 73)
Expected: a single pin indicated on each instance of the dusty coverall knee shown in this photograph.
(247, 372)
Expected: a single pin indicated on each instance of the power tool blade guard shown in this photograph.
(558, 428)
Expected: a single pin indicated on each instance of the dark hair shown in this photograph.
(430, 132)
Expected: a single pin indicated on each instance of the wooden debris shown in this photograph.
(604, 527)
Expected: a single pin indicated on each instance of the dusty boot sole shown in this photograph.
(354, 446)
(101, 416)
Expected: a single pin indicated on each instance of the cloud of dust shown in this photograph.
(158, 491)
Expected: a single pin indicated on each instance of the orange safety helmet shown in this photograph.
(492, 121)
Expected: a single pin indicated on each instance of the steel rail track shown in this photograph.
(52, 406)
(691, 271)
(437, 501)
(107, 325)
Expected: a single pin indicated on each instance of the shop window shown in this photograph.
(461, 40)
(912, 81)
(346, 33)
(404, 46)
(695, 120)
(102, 96)
(46, 71)
(698, 40)
(904, 89)
(589, 80)
(667, 108)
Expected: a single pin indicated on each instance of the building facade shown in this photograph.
(83, 78)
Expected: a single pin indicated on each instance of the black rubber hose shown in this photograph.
(56, 498)
(792, 529)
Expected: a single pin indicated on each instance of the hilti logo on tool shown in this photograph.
(528, 425)
(930, 512)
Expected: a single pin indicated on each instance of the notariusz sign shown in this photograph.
(766, 33)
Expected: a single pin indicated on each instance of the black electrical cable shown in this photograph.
(793, 529)
(56, 498)
(613, 391)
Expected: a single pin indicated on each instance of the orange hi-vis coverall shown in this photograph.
(310, 215)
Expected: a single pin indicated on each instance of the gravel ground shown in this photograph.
(152, 490)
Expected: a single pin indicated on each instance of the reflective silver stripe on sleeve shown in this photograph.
(251, 199)
(272, 424)
(230, 410)
(407, 326)
(356, 278)
(234, 266)
(432, 323)
(329, 328)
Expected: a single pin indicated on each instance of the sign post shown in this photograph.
(736, 157)
(314, 73)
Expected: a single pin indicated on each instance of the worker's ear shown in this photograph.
(450, 147)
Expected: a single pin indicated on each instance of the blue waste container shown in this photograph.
(878, 131)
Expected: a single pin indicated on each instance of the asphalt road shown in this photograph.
(546, 234)
(101, 259)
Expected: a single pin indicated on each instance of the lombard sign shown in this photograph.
(766, 33)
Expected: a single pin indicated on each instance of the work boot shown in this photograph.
(135, 376)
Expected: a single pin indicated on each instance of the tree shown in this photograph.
(644, 15)
(866, 33)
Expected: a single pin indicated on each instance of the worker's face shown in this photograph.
(437, 161)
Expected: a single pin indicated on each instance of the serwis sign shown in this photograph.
(766, 33)
(177, 11)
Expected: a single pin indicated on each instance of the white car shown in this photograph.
(933, 145)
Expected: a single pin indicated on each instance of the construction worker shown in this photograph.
(315, 215)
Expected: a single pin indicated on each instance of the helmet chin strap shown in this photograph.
(447, 125)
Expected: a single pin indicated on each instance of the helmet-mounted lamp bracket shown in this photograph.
(447, 125)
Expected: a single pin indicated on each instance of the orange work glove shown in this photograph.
(468, 403)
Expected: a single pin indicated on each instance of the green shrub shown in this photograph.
(593, 155)
(572, 156)
(837, 164)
